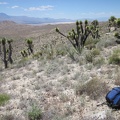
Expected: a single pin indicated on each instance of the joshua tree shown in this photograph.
(30, 46)
(6, 54)
(79, 36)
(112, 22)
(95, 23)
(94, 28)
(112, 18)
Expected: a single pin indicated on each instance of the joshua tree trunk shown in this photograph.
(10, 53)
(6, 53)
(6, 63)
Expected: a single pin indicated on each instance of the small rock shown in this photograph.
(100, 115)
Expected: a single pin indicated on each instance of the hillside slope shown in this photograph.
(63, 88)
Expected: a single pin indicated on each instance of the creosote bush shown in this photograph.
(94, 88)
(35, 113)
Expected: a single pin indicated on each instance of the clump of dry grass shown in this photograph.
(117, 76)
(92, 54)
(94, 88)
(117, 79)
(7, 116)
(106, 41)
(98, 61)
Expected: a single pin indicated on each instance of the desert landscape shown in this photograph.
(57, 83)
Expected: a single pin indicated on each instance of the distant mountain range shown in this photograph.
(33, 20)
(30, 20)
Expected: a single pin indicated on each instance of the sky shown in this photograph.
(70, 9)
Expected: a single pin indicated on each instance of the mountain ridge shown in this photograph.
(30, 20)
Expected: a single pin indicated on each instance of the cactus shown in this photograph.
(6, 54)
(79, 36)
(30, 46)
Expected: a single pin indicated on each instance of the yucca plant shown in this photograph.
(112, 21)
(6, 52)
(79, 36)
(24, 53)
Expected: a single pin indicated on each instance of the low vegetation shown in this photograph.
(4, 98)
(35, 113)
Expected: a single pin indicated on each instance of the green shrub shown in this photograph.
(4, 98)
(35, 113)
(115, 57)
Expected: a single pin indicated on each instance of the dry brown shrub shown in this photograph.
(94, 88)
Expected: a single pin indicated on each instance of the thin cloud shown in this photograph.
(3, 3)
(94, 14)
(40, 8)
(13, 7)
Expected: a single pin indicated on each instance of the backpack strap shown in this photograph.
(103, 103)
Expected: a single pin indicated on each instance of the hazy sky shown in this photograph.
(72, 9)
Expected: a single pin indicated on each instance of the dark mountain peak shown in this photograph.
(3, 15)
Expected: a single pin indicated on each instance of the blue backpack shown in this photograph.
(113, 98)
